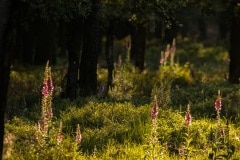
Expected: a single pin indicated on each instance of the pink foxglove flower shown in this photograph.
(128, 45)
(36, 135)
(188, 117)
(154, 112)
(173, 47)
(45, 90)
(218, 103)
(59, 138)
(47, 83)
(181, 151)
(222, 132)
(167, 51)
(162, 59)
(50, 84)
(78, 135)
(50, 114)
(173, 50)
(38, 131)
(41, 126)
(119, 60)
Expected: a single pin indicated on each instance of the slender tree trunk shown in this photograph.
(90, 52)
(138, 46)
(234, 68)
(109, 55)
(74, 47)
(5, 11)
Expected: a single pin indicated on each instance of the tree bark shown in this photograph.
(74, 43)
(138, 46)
(26, 43)
(202, 28)
(109, 55)
(45, 32)
(90, 52)
(23, 35)
(5, 14)
(234, 68)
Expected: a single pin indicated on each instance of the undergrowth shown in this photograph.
(123, 125)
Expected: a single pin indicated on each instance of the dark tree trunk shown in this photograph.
(138, 46)
(45, 32)
(90, 52)
(202, 28)
(26, 43)
(159, 30)
(24, 39)
(121, 28)
(234, 69)
(5, 11)
(223, 26)
(74, 42)
(109, 55)
(170, 34)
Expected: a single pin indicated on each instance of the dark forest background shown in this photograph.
(81, 32)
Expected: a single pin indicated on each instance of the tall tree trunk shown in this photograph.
(74, 42)
(24, 39)
(45, 32)
(159, 30)
(234, 68)
(138, 46)
(223, 26)
(26, 44)
(109, 55)
(202, 28)
(90, 52)
(5, 11)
